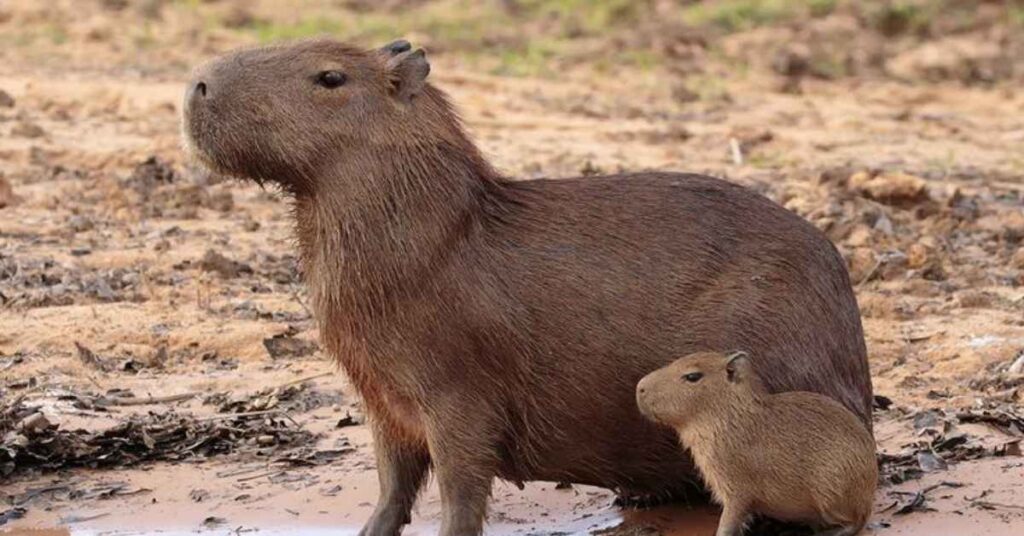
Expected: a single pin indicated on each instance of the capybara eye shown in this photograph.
(693, 377)
(331, 79)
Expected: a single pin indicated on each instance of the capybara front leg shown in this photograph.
(463, 453)
(401, 469)
(465, 488)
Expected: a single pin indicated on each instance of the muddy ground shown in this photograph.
(159, 369)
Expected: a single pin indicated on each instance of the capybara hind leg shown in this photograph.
(733, 520)
(848, 530)
(401, 470)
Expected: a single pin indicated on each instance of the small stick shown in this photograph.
(304, 380)
(990, 505)
(298, 299)
(261, 475)
(234, 415)
(737, 151)
(143, 401)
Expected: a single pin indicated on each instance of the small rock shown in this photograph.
(79, 223)
(6, 100)
(899, 189)
(884, 224)
(34, 423)
(199, 495)
(930, 462)
(24, 129)
(861, 262)
(223, 266)
(919, 255)
(893, 265)
(285, 345)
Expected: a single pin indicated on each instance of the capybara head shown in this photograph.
(290, 113)
(688, 387)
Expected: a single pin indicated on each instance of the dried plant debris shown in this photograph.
(44, 282)
(915, 501)
(295, 397)
(12, 514)
(33, 443)
(940, 441)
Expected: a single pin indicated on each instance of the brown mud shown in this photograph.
(179, 282)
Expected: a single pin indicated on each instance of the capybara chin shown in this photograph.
(794, 456)
(497, 328)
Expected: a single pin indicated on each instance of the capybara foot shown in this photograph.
(385, 521)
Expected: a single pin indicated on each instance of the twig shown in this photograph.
(144, 401)
(304, 380)
(260, 476)
(871, 273)
(737, 152)
(298, 299)
(236, 415)
(989, 505)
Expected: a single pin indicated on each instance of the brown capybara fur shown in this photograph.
(793, 456)
(497, 328)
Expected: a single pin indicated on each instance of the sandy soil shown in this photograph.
(919, 184)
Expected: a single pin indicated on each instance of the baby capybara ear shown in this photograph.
(737, 366)
(396, 47)
(406, 70)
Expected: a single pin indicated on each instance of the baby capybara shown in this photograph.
(793, 456)
(497, 328)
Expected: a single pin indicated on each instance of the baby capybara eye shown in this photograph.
(693, 377)
(331, 79)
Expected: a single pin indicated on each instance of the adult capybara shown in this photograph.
(498, 327)
(794, 456)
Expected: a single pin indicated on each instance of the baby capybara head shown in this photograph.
(690, 386)
(288, 113)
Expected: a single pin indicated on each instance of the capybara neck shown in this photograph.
(741, 406)
(377, 224)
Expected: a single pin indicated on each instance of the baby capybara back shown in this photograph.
(498, 327)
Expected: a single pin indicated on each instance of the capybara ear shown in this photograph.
(737, 365)
(407, 71)
(396, 47)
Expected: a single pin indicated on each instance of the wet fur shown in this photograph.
(498, 327)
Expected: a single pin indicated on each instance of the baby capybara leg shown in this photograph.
(401, 470)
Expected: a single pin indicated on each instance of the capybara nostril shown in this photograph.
(200, 89)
